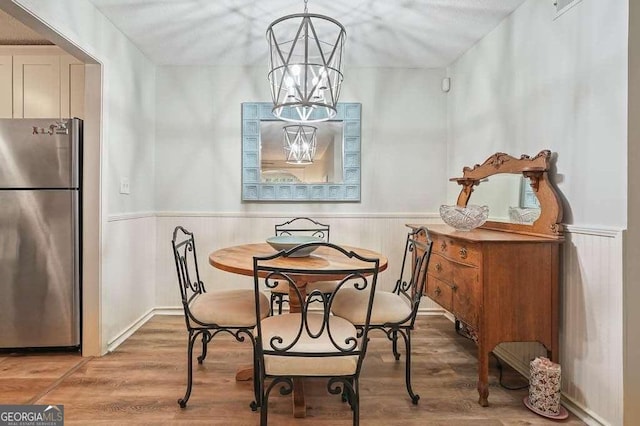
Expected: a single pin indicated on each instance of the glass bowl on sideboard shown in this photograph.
(464, 218)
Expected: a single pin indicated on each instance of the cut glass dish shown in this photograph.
(464, 218)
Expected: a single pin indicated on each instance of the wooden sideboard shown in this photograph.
(503, 286)
(501, 279)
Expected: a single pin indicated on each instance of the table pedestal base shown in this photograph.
(299, 406)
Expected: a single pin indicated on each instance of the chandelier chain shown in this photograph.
(305, 6)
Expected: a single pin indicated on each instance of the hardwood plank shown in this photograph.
(140, 382)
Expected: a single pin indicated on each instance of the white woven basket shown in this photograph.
(544, 386)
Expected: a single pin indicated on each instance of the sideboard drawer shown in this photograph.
(457, 250)
(439, 291)
(440, 267)
(465, 252)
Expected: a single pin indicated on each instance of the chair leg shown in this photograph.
(264, 408)
(257, 383)
(192, 338)
(263, 411)
(272, 301)
(355, 403)
(276, 299)
(407, 343)
(394, 342)
(346, 393)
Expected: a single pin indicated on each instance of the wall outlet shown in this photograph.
(124, 186)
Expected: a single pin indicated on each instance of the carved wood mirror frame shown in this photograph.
(536, 170)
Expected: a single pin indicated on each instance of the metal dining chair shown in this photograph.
(207, 314)
(300, 226)
(393, 312)
(312, 343)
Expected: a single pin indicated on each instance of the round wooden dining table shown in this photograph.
(239, 260)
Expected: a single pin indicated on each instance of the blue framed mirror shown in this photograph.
(334, 174)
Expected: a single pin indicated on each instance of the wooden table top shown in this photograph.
(239, 260)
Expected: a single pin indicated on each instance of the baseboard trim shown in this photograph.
(581, 412)
(168, 310)
(430, 312)
(128, 331)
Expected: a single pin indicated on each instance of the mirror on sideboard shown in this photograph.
(334, 174)
(510, 198)
(518, 192)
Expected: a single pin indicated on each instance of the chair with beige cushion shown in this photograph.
(207, 314)
(312, 343)
(300, 226)
(393, 312)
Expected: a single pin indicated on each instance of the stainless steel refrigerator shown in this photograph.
(40, 198)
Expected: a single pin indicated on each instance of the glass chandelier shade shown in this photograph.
(305, 59)
(299, 144)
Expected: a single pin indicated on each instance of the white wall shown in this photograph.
(127, 149)
(198, 139)
(536, 83)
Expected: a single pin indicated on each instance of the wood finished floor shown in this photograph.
(140, 382)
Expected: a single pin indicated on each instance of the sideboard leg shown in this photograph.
(483, 376)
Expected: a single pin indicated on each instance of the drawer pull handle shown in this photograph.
(438, 267)
(438, 291)
(443, 245)
(454, 288)
(463, 253)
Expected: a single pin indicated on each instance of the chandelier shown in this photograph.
(299, 144)
(305, 66)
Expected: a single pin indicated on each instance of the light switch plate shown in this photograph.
(124, 186)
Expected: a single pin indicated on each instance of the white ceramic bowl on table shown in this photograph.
(286, 242)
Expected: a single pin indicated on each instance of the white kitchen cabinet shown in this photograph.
(6, 86)
(40, 82)
(71, 87)
(36, 86)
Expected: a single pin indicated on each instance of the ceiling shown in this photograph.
(380, 33)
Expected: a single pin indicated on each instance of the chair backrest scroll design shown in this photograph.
(303, 226)
(362, 276)
(417, 253)
(184, 252)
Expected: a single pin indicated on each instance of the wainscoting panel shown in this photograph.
(129, 262)
(383, 233)
(591, 324)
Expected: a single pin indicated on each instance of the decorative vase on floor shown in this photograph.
(544, 389)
